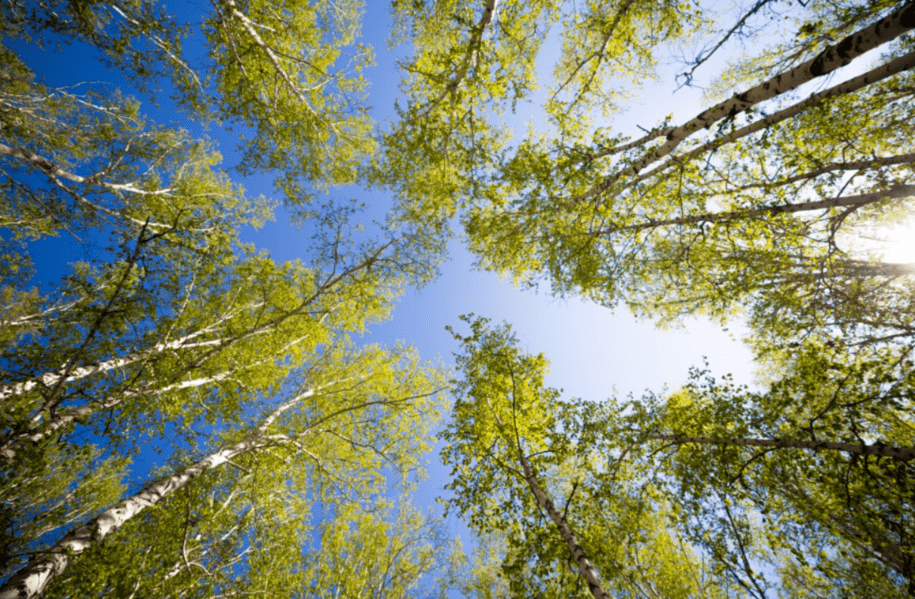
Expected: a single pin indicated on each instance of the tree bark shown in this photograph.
(581, 559)
(897, 192)
(10, 449)
(49, 379)
(877, 449)
(52, 170)
(476, 37)
(31, 580)
(65, 418)
(890, 27)
(894, 67)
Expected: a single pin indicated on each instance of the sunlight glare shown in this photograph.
(898, 246)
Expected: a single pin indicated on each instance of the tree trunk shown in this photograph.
(878, 449)
(584, 565)
(890, 27)
(854, 165)
(64, 418)
(899, 191)
(49, 379)
(31, 580)
(884, 71)
(476, 37)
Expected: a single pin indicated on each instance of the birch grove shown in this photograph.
(695, 215)
(331, 409)
(755, 482)
(182, 415)
(180, 339)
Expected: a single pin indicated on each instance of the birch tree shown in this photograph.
(769, 187)
(570, 520)
(177, 335)
(823, 454)
(473, 64)
(82, 157)
(59, 489)
(715, 214)
(796, 489)
(229, 340)
(290, 73)
(351, 413)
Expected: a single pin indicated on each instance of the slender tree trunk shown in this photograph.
(584, 565)
(881, 549)
(49, 379)
(894, 67)
(251, 30)
(899, 191)
(31, 580)
(476, 37)
(832, 167)
(40, 317)
(890, 27)
(901, 453)
(65, 418)
(53, 170)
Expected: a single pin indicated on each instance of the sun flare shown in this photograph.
(898, 245)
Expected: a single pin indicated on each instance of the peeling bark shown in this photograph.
(578, 554)
(894, 67)
(49, 379)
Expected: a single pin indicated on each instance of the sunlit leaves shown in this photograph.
(504, 418)
(729, 215)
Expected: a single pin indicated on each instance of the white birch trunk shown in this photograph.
(581, 559)
(890, 69)
(63, 419)
(31, 580)
(48, 379)
(901, 453)
(890, 27)
(894, 193)
(9, 449)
